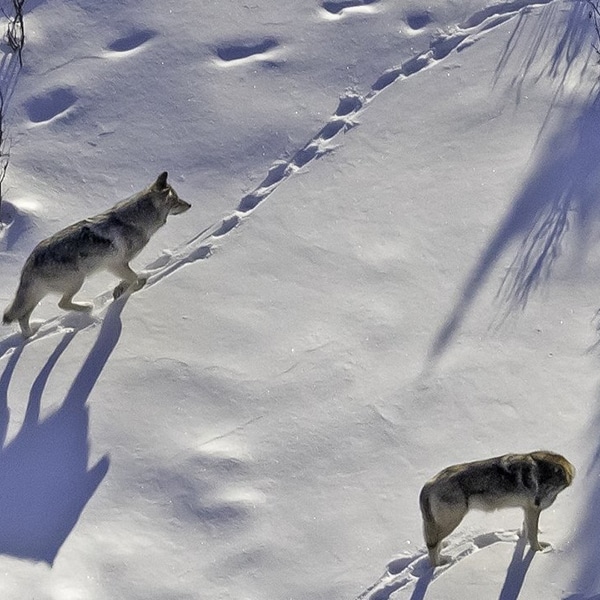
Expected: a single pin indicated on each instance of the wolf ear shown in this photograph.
(161, 182)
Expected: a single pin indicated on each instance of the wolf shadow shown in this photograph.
(45, 482)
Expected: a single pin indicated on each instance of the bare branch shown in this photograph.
(594, 14)
(15, 32)
(15, 37)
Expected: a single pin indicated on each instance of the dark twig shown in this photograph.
(15, 38)
(4, 144)
(594, 14)
(15, 32)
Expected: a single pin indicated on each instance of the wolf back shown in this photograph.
(530, 481)
(107, 241)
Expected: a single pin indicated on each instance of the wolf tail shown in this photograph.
(430, 528)
(9, 314)
(25, 301)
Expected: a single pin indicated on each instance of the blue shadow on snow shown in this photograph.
(562, 188)
(561, 191)
(44, 479)
(586, 579)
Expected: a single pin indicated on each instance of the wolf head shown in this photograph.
(168, 195)
(555, 470)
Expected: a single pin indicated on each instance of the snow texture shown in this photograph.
(389, 266)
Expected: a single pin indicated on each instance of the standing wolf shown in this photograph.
(107, 241)
(529, 481)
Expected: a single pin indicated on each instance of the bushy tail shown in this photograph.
(9, 314)
(430, 529)
(23, 303)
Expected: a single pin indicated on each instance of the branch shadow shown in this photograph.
(560, 189)
(44, 479)
(586, 579)
(9, 72)
(560, 192)
(562, 32)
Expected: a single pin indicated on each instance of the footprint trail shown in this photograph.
(346, 116)
(336, 7)
(406, 571)
(238, 51)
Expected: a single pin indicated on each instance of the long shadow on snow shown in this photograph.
(566, 176)
(586, 579)
(515, 575)
(422, 584)
(565, 182)
(44, 479)
(517, 570)
(564, 28)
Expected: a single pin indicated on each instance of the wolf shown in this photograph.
(107, 241)
(530, 481)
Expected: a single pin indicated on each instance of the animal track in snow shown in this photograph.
(342, 120)
(348, 104)
(227, 225)
(336, 7)
(237, 51)
(50, 105)
(349, 108)
(408, 570)
(496, 10)
(131, 41)
(418, 20)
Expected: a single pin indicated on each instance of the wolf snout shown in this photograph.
(181, 207)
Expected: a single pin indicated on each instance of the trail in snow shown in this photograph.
(414, 571)
(349, 109)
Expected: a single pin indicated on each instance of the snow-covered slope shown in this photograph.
(378, 188)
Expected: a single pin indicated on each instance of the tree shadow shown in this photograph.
(44, 479)
(563, 33)
(561, 191)
(562, 187)
(587, 538)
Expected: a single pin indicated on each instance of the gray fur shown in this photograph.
(108, 241)
(529, 481)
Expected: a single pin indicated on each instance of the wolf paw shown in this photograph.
(543, 547)
(443, 559)
(127, 286)
(139, 284)
(120, 289)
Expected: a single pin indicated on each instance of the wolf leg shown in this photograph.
(66, 302)
(433, 541)
(444, 523)
(25, 326)
(532, 518)
(130, 280)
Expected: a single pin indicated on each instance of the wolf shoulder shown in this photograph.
(79, 243)
(503, 481)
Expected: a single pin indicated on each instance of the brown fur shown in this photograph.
(530, 481)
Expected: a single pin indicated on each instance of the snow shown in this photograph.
(351, 304)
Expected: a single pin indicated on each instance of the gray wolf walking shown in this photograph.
(107, 241)
(529, 481)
